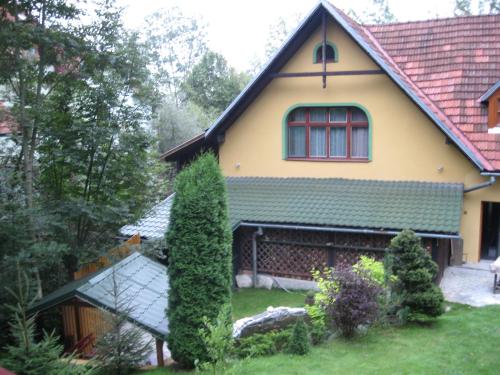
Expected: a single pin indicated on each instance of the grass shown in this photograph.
(248, 302)
(465, 340)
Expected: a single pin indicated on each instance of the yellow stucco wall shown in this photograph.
(406, 145)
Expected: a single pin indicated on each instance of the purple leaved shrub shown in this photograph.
(354, 297)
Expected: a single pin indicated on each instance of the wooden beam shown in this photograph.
(324, 49)
(317, 74)
(159, 353)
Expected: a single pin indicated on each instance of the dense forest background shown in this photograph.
(91, 105)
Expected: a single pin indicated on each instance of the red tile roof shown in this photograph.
(7, 123)
(450, 64)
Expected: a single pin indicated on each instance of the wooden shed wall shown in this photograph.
(92, 320)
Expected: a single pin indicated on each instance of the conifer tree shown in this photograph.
(299, 341)
(415, 271)
(199, 242)
(26, 356)
(123, 348)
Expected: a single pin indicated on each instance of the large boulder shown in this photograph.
(275, 318)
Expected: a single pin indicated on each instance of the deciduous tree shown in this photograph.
(213, 84)
(176, 43)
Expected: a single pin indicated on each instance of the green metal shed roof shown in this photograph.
(141, 281)
(374, 204)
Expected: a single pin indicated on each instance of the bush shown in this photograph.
(317, 310)
(354, 297)
(420, 298)
(262, 344)
(371, 267)
(309, 300)
(317, 322)
(199, 241)
(299, 341)
(377, 271)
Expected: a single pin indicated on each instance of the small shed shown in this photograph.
(142, 283)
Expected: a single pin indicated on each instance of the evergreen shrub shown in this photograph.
(419, 297)
(299, 341)
(199, 241)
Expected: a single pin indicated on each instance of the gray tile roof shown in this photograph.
(154, 224)
(142, 282)
(387, 205)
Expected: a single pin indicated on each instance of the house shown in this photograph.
(352, 133)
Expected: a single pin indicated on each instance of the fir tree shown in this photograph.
(123, 348)
(26, 356)
(415, 271)
(199, 241)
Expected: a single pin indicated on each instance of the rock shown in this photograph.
(245, 281)
(273, 318)
(265, 282)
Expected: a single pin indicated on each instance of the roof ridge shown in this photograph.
(438, 19)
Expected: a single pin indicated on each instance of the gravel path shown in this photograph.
(471, 284)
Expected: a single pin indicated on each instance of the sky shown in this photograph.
(238, 28)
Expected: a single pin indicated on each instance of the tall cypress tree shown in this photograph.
(199, 241)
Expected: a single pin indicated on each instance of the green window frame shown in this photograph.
(335, 52)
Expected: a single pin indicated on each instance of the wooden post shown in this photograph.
(324, 49)
(257, 233)
(159, 353)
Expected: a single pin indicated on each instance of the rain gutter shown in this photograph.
(343, 230)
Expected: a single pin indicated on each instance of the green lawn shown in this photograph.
(248, 302)
(465, 340)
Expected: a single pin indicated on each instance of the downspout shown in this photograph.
(257, 233)
(483, 185)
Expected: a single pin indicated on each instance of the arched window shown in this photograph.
(336, 133)
(331, 53)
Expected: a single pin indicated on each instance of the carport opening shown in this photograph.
(490, 237)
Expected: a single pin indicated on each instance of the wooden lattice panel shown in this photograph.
(290, 260)
(294, 253)
(344, 258)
